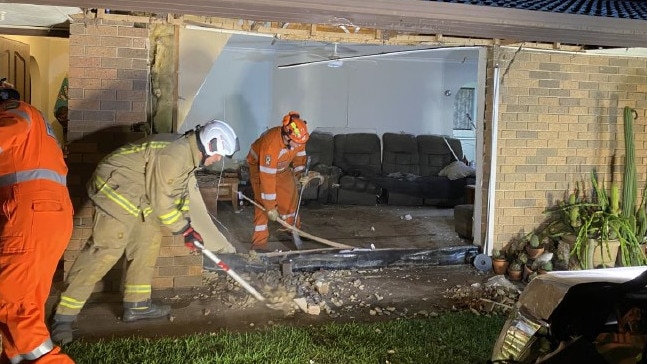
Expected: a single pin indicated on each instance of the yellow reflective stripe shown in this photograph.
(182, 204)
(148, 211)
(138, 148)
(117, 198)
(137, 288)
(70, 302)
(171, 217)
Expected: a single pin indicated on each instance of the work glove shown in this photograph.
(305, 179)
(273, 214)
(190, 235)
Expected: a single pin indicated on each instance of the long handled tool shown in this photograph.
(301, 232)
(295, 236)
(229, 271)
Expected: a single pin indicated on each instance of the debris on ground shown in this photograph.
(496, 296)
(354, 292)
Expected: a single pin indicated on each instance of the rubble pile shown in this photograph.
(354, 293)
(496, 296)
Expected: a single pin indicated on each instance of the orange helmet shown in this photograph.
(295, 127)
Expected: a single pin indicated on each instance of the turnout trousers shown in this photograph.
(112, 236)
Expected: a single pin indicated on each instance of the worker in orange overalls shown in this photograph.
(36, 226)
(276, 160)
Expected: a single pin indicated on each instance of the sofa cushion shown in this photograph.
(434, 153)
(320, 148)
(456, 170)
(358, 154)
(400, 154)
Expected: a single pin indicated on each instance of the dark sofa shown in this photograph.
(398, 169)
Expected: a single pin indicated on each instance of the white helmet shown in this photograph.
(218, 137)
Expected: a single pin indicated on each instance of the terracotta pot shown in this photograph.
(499, 266)
(533, 253)
(514, 275)
(526, 271)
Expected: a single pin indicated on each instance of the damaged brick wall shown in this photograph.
(108, 93)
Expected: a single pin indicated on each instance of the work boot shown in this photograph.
(134, 311)
(62, 329)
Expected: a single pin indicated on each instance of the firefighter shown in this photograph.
(36, 226)
(276, 161)
(134, 190)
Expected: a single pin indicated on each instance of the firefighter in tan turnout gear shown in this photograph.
(134, 190)
(276, 160)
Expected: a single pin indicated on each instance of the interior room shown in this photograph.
(252, 80)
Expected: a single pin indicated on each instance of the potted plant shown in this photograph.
(514, 271)
(606, 231)
(532, 276)
(534, 248)
(545, 267)
(499, 261)
(599, 228)
(527, 271)
(601, 224)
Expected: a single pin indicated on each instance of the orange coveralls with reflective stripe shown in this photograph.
(35, 228)
(272, 170)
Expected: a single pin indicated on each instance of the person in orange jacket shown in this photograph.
(36, 226)
(276, 159)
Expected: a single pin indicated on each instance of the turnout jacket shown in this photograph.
(148, 178)
(271, 156)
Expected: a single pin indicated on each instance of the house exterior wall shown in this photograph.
(108, 88)
(560, 116)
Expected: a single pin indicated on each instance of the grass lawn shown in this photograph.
(453, 338)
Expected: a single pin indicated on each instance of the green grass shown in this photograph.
(459, 337)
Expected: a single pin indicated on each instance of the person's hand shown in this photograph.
(304, 180)
(190, 236)
(309, 177)
(273, 214)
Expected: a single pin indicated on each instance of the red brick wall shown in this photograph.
(108, 88)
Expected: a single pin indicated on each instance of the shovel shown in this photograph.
(283, 306)
(295, 236)
(229, 271)
(291, 227)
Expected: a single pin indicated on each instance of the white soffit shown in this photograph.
(25, 15)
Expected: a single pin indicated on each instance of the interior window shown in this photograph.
(463, 109)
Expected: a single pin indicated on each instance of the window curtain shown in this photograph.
(463, 106)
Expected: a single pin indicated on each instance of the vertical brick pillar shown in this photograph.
(108, 93)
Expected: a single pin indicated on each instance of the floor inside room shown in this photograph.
(378, 226)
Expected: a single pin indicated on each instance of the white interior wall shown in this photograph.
(389, 93)
(238, 92)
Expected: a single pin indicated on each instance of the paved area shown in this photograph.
(354, 294)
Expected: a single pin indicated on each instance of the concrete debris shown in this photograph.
(345, 293)
(484, 299)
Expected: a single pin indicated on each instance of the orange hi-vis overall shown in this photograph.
(36, 226)
(272, 170)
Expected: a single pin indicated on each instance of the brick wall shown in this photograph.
(560, 116)
(108, 88)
